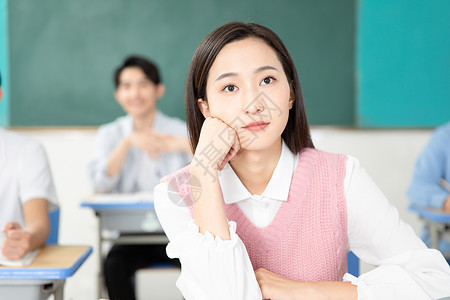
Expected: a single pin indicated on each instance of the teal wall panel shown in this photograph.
(4, 63)
(403, 63)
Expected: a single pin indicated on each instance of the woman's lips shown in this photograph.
(256, 126)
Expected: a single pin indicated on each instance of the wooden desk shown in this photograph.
(435, 221)
(46, 274)
(125, 223)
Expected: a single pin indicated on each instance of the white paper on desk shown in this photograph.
(24, 261)
(121, 198)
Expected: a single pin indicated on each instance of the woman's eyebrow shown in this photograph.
(260, 69)
(224, 75)
(264, 68)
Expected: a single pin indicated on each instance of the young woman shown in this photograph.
(258, 196)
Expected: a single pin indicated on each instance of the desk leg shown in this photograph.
(435, 231)
(56, 288)
(59, 290)
(100, 258)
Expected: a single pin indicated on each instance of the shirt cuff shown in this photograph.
(102, 182)
(189, 241)
(387, 282)
(362, 289)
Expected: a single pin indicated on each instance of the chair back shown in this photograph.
(353, 264)
(53, 215)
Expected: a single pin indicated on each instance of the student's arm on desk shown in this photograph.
(212, 268)
(274, 286)
(18, 241)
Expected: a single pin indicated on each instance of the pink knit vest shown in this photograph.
(307, 239)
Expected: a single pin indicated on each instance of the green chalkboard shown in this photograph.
(63, 52)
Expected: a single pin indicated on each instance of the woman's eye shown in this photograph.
(267, 80)
(230, 88)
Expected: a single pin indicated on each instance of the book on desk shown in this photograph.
(26, 260)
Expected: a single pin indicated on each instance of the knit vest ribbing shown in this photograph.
(307, 239)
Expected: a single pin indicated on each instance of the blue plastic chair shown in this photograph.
(353, 264)
(53, 215)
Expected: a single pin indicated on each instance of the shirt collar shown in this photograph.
(278, 188)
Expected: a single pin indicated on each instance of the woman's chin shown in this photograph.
(260, 144)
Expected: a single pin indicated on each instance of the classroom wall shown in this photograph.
(387, 155)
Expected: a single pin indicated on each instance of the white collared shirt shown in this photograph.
(216, 269)
(261, 209)
(24, 174)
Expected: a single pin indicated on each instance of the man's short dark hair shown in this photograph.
(148, 67)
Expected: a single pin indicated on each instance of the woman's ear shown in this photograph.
(291, 102)
(291, 96)
(204, 108)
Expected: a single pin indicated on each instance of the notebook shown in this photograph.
(24, 261)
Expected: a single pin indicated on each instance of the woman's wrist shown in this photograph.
(325, 289)
(202, 170)
(204, 162)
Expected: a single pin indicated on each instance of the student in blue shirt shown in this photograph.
(131, 155)
(430, 182)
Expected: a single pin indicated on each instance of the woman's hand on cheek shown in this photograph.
(218, 144)
(275, 287)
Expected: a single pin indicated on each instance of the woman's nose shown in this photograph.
(253, 102)
(253, 108)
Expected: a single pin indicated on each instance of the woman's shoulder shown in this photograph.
(345, 162)
(176, 187)
(317, 154)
